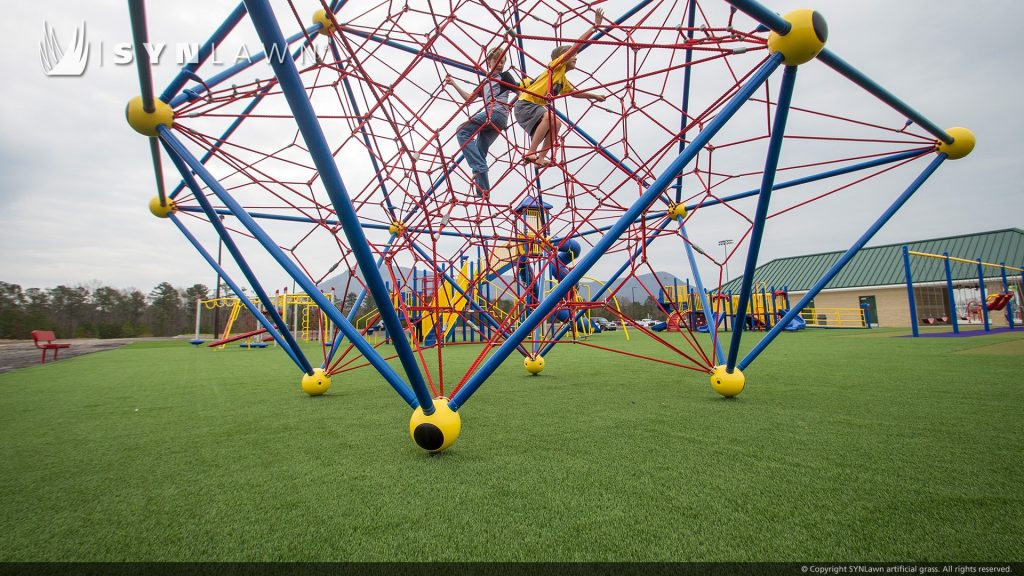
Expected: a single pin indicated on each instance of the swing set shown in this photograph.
(966, 297)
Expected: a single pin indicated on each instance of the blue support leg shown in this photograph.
(204, 52)
(761, 214)
(601, 247)
(287, 340)
(859, 78)
(984, 297)
(691, 10)
(195, 92)
(267, 28)
(604, 287)
(951, 295)
(709, 311)
(764, 15)
(843, 260)
(910, 293)
(263, 320)
(1006, 289)
(176, 150)
(358, 303)
(260, 94)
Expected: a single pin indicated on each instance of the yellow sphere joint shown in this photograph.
(963, 143)
(326, 26)
(727, 384)
(396, 227)
(676, 211)
(805, 38)
(316, 383)
(534, 365)
(162, 211)
(437, 431)
(145, 123)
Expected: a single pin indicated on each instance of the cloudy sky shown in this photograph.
(75, 179)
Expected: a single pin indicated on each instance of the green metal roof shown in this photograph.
(883, 265)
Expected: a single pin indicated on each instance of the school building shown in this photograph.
(876, 279)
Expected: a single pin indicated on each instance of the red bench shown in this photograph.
(44, 340)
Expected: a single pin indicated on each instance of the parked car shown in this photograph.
(610, 326)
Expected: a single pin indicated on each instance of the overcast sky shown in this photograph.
(75, 179)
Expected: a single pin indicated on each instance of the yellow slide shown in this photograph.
(453, 302)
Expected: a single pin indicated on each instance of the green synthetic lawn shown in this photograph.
(846, 445)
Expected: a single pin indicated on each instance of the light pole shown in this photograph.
(725, 252)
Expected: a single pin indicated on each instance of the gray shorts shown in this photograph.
(529, 115)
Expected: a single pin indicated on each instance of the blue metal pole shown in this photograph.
(763, 15)
(709, 312)
(204, 52)
(846, 257)
(1020, 293)
(601, 246)
(366, 136)
(910, 293)
(261, 93)
(172, 144)
(196, 91)
(291, 84)
(358, 303)
(137, 15)
(796, 182)
(859, 78)
(691, 7)
(604, 287)
(984, 298)
(1006, 290)
(411, 50)
(951, 295)
(288, 341)
(771, 163)
(266, 323)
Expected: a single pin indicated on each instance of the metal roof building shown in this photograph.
(875, 279)
(883, 265)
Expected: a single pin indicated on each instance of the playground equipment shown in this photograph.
(966, 301)
(766, 307)
(308, 322)
(835, 318)
(334, 149)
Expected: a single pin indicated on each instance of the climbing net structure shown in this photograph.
(331, 152)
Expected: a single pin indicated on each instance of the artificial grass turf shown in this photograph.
(845, 446)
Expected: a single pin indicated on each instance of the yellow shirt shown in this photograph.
(559, 84)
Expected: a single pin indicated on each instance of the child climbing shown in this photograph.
(531, 109)
(476, 135)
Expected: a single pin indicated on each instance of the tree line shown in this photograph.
(96, 311)
(100, 311)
